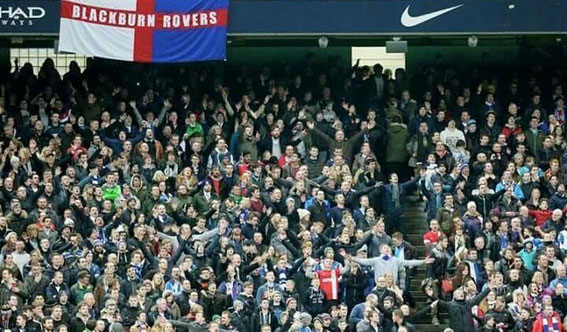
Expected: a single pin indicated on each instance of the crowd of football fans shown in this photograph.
(269, 199)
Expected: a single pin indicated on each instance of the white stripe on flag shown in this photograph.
(111, 4)
(96, 40)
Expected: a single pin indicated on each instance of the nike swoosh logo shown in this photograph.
(410, 21)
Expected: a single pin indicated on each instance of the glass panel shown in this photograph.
(369, 56)
(36, 56)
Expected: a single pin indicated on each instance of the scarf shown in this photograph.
(554, 327)
(138, 268)
(515, 309)
(265, 318)
(396, 195)
(316, 296)
(503, 242)
(560, 115)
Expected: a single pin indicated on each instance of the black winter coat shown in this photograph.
(460, 316)
(354, 285)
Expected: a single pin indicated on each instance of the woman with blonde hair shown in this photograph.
(106, 153)
(16, 145)
(30, 237)
(159, 176)
(539, 279)
(215, 133)
(88, 193)
(160, 325)
(10, 246)
(158, 286)
(25, 160)
(187, 178)
(518, 302)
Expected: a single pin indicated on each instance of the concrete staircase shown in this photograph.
(416, 227)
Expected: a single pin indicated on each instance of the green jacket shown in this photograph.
(149, 204)
(248, 145)
(111, 193)
(201, 204)
(191, 131)
(398, 137)
(534, 142)
(141, 193)
(79, 292)
(6, 292)
(445, 219)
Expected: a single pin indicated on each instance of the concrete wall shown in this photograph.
(264, 55)
(416, 57)
(424, 55)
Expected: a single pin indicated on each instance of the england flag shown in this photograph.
(145, 30)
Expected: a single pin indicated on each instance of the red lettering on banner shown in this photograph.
(143, 17)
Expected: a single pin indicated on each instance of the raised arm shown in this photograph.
(345, 269)
(367, 237)
(366, 261)
(262, 108)
(177, 254)
(309, 272)
(166, 107)
(173, 239)
(477, 299)
(205, 236)
(319, 134)
(497, 194)
(354, 140)
(227, 104)
(412, 262)
(421, 312)
(409, 184)
(137, 114)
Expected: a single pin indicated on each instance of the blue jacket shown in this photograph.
(557, 201)
(357, 313)
(518, 193)
(388, 200)
(528, 258)
(560, 280)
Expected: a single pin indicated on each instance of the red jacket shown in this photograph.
(511, 132)
(432, 237)
(541, 216)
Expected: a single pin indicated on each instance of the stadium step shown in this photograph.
(430, 327)
(416, 226)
